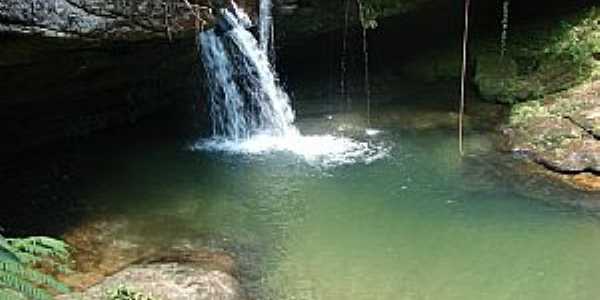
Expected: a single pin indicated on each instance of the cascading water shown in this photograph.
(249, 111)
(244, 96)
(266, 30)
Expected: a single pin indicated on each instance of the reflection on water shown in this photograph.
(418, 223)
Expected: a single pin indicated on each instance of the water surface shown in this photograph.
(418, 223)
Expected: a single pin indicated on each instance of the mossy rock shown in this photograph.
(498, 80)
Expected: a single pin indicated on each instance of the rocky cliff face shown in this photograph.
(107, 19)
(71, 67)
(53, 89)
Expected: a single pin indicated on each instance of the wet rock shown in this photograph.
(587, 181)
(167, 281)
(588, 119)
(560, 133)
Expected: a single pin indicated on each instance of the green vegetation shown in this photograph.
(125, 293)
(20, 260)
(540, 61)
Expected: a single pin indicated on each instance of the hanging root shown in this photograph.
(463, 76)
(365, 25)
(343, 60)
(504, 37)
(166, 20)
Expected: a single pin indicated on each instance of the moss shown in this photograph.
(126, 293)
(522, 113)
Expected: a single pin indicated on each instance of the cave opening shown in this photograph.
(198, 144)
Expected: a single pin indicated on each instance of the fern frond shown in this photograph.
(41, 250)
(6, 252)
(17, 275)
(8, 294)
(7, 255)
(41, 246)
(27, 289)
(33, 276)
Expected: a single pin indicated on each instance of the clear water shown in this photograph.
(419, 223)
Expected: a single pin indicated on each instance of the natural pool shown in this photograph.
(417, 223)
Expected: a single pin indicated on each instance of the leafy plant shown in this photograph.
(578, 40)
(125, 293)
(19, 260)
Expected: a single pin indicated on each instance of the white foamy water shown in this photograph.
(319, 150)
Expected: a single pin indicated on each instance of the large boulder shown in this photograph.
(166, 281)
(106, 258)
(561, 132)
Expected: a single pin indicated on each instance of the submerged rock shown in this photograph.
(103, 254)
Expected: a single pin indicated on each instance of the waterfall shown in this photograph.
(266, 32)
(250, 112)
(244, 95)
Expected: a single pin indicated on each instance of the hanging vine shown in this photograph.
(505, 19)
(461, 113)
(368, 21)
(343, 58)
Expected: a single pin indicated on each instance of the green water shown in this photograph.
(420, 223)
